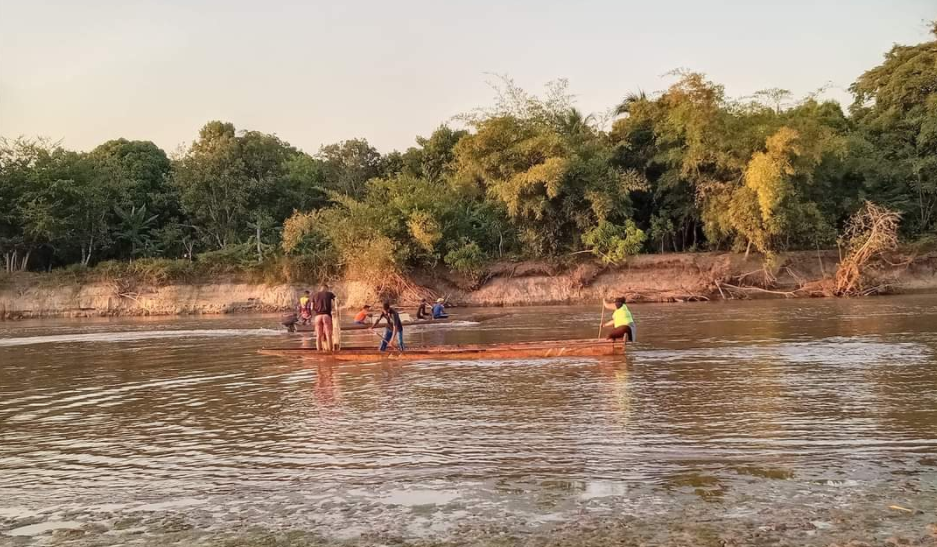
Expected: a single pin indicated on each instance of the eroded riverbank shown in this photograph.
(645, 278)
(786, 422)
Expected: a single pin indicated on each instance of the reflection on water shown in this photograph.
(724, 411)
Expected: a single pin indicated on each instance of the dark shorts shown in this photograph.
(620, 332)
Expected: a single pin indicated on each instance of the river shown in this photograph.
(793, 422)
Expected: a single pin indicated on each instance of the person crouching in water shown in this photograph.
(393, 327)
(364, 316)
(421, 312)
(305, 309)
(622, 322)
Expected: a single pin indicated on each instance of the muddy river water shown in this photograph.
(798, 422)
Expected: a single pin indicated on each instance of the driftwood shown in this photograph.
(869, 235)
(744, 290)
(665, 296)
(395, 285)
(870, 232)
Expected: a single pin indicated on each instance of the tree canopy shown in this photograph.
(528, 176)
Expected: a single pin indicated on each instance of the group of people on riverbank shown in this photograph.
(317, 310)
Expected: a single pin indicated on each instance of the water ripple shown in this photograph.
(194, 422)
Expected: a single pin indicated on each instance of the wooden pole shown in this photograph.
(602, 321)
(337, 328)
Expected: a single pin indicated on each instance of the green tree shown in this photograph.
(547, 165)
(775, 98)
(304, 186)
(895, 109)
(136, 172)
(661, 230)
(134, 229)
(436, 153)
(467, 258)
(86, 207)
(530, 176)
(46, 192)
(225, 180)
(684, 146)
(349, 165)
(612, 243)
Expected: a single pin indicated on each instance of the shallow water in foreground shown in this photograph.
(771, 422)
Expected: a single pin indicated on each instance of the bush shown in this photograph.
(302, 233)
(613, 243)
(165, 270)
(156, 271)
(305, 268)
(370, 260)
(425, 230)
(467, 258)
(232, 256)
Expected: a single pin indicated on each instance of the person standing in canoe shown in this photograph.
(439, 309)
(393, 327)
(622, 322)
(322, 306)
(305, 309)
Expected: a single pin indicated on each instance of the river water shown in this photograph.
(793, 422)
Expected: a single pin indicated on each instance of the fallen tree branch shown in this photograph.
(871, 232)
(786, 294)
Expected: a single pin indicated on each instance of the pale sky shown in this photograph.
(314, 72)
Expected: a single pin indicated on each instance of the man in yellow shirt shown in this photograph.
(622, 322)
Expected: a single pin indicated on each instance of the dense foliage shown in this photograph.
(531, 177)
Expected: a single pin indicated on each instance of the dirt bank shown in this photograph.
(647, 278)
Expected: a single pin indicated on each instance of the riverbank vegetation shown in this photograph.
(530, 177)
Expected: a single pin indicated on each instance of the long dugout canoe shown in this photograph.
(554, 348)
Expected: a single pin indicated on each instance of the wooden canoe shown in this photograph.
(557, 348)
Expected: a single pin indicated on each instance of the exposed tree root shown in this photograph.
(870, 232)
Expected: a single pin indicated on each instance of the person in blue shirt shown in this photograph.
(439, 309)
